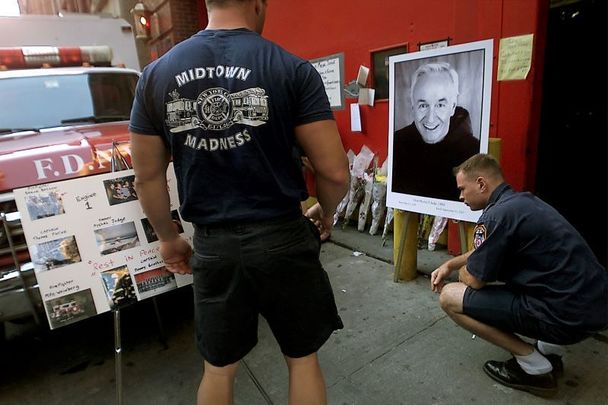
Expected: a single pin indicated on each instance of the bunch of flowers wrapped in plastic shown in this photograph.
(367, 192)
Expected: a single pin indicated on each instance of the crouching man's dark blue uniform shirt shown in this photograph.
(525, 243)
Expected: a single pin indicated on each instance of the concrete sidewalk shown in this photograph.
(397, 347)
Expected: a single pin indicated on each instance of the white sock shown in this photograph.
(534, 363)
(550, 348)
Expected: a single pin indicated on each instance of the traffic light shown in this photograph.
(141, 19)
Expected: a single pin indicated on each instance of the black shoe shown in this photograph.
(556, 363)
(509, 373)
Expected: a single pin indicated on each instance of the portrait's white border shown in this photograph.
(426, 205)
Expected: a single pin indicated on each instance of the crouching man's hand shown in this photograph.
(438, 277)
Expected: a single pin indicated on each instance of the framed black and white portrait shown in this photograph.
(439, 116)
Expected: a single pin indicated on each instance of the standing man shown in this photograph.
(229, 107)
(554, 289)
(439, 138)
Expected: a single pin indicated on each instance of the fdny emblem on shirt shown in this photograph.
(216, 109)
(479, 235)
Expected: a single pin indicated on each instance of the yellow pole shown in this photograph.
(465, 234)
(405, 246)
(495, 148)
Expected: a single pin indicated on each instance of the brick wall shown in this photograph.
(172, 21)
(185, 18)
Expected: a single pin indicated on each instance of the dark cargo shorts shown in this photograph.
(270, 268)
(498, 306)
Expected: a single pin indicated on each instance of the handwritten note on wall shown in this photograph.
(331, 69)
(515, 57)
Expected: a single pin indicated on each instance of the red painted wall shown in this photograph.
(316, 28)
(312, 29)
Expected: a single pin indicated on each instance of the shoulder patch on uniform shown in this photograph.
(479, 235)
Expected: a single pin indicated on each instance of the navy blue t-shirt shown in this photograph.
(226, 103)
(525, 243)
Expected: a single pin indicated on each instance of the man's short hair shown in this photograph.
(480, 164)
(438, 67)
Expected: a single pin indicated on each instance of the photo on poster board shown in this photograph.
(96, 247)
(70, 308)
(149, 230)
(439, 116)
(120, 190)
(44, 205)
(55, 254)
(154, 281)
(119, 287)
(116, 238)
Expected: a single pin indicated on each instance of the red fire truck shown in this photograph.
(63, 114)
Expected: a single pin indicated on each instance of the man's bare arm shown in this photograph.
(150, 161)
(467, 278)
(322, 145)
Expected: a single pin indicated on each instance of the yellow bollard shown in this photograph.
(465, 235)
(405, 245)
(495, 148)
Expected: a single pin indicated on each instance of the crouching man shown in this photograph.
(552, 288)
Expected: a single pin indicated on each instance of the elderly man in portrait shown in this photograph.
(439, 139)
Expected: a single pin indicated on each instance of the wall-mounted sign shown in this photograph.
(515, 57)
(91, 246)
(331, 69)
(439, 116)
(427, 46)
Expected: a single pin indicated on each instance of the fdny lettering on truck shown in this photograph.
(63, 166)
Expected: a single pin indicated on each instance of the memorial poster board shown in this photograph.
(92, 247)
